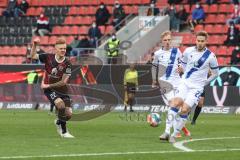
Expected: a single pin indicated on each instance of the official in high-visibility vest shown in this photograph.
(113, 49)
(32, 77)
(130, 86)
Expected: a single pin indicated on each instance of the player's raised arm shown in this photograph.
(34, 54)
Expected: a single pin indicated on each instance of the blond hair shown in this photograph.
(166, 33)
(60, 41)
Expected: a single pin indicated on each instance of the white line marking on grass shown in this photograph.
(115, 153)
(180, 144)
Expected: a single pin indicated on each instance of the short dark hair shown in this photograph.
(202, 33)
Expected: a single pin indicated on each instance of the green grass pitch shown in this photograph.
(32, 134)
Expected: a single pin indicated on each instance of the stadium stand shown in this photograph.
(73, 17)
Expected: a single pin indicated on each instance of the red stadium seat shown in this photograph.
(94, 2)
(222, 38)
(214, 40)
(57, 30)
(187, 7)
(20, 59)
(231, 8)
(223, 8)
(230, 50)
(31, 11)
(14, 50)
(5, 50)
(11, 60)
(68, 20)
(128, 9)
(2, 59)
(187, 39)
(59, 2)
(198, 28)
(109, 29)
(80, 2)
(44, 40)
(102, 29)
(74, 30)
(90, 10)
(43, 2)
(205, 8)
(78, 20)
(69, 39)
(221, 29)
(147, 2)
(221, 60)
(82, 10)
(22, 51)
(86, 20)
(221, 18)
(68, 2)
(52, 40)
(73, 11)
(222, 50)
(137, 1)
(213, 49)
(213, 8)
(211, 18)
(39, 10)
(208, 28)
(83, 30)
(65, 30)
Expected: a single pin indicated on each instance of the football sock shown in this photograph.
(63, 125)
(172, 112)
(196, 113)
(51, 108)
(179, 123)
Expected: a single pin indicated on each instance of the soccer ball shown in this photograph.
(153, 119)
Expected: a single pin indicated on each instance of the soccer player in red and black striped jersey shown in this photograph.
(54, 84)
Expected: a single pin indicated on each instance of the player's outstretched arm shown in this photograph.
(34, 54)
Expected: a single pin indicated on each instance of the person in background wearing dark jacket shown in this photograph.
(118, 15)
(232, 35)
(21, 9)
(182, 17)
(153, 11)
(172, 12)
(94, 33)
(235, 58)
(9, 12)
(84, 43)
(102, 15)
(42, 26)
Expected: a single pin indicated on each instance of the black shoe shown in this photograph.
(193, 123)
(131, 110)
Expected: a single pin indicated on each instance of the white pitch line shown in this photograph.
(115, 153)
(180, 144)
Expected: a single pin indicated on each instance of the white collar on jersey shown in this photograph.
(58, 60)
(202, 50)
(167, 50)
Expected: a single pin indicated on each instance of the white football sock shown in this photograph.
(172, 112)
(179, 123)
